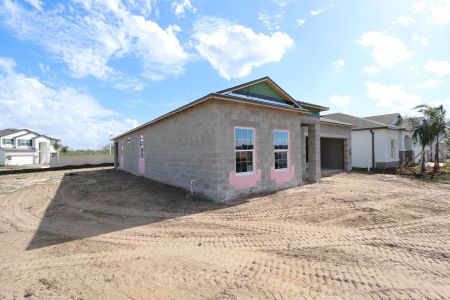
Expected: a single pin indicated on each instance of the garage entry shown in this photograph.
(21, 160)
(332, 155)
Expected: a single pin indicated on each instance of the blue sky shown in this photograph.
(82, 70)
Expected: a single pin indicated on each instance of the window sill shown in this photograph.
(281, 170)
(245, 174)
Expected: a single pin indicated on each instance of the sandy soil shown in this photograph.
(104, 234)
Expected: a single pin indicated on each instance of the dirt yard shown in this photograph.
(105, 234)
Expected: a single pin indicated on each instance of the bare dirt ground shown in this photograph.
(105, 234)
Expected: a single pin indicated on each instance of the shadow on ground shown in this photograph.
(91, 203)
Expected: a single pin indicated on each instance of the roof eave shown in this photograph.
(208, 97)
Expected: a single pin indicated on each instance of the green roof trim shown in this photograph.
(262, 89)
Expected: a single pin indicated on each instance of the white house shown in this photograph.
(25, 147)
(379, 141)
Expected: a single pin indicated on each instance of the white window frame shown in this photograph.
(141, 146)
(19, 141)
(9, 139)
(281, 150)
(244, 150)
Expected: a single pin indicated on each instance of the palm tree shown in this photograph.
(439, 128)
(422, 134)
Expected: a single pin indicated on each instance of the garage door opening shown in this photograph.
(331, 155)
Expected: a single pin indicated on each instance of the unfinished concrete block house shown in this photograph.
(250, 138)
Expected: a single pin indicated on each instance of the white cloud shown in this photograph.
(7, 64)
(340, 100)
(420, 40)
(270, 21)
(35, 3)
(431, 83)
(44, 68)
(233, 50)
(283, 3)
(317, 11)
(64, 112)
(301, 22)
(391, 96)
(371, 69)
(88, 35)
(439, 68)
(414, 69)
(181, 6)
(404, 21)
(339, 63)
(437, 10)
(387, 50)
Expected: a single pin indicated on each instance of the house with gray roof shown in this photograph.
(246, 139)
(382, 141)
(25, 147)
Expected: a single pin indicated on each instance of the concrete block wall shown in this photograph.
(197, 146)
(178, 150)
(264, 121)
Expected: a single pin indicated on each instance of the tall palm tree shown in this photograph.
(422, 134)
(439, 127)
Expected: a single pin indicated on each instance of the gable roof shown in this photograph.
(311, 105)
(388, 119)
(244, 90)
(228, 95)
(360, 123)
(9, 131)
(335, 122)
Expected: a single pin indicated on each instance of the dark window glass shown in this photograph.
(25, 142)
(244, 144)
(281, 160)
(8, 141)
(281, 144)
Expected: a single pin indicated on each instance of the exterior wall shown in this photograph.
(362, 149)
(265, 177)
(196, 148)
(180, 150)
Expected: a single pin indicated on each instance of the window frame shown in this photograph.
(27, 143)
(281, 150)
(244, 150)
(8, 139)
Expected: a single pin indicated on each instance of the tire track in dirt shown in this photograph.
(147, 240)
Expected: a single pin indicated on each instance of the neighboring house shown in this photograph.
(381, 141)
(25, 147)
(246, 139)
